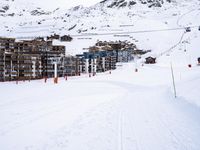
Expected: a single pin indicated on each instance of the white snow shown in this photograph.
(125, 110)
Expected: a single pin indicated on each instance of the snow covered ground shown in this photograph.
(123, 110)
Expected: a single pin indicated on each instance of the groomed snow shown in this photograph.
(124, 109)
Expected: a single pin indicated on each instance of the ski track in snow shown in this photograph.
(122, 111)
(133, 117)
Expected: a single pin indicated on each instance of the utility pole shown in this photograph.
(55, 62)
(55, 72)
(174, 86)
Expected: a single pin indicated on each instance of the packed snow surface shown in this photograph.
(122, 110)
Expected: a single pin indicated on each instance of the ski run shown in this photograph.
(120, 110)
(123, 110)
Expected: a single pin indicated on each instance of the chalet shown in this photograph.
(188, 29)
(53, 37)
(198, 59)
(150, 60)
(39, 38)
(66, 38)
(101, 43)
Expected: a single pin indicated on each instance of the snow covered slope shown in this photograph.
(22, 16)
(103, 22)
(123, 110)
(27, 20)
(130, 3)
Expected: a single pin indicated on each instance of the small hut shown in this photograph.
(66, 38)
(53, 37)
(198, 59)
(150, 60)
(188, 29)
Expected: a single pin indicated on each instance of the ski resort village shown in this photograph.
(100, 75)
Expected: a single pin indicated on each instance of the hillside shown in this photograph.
(131, 3)
(20, 17)
(118, 110)
(105, 22)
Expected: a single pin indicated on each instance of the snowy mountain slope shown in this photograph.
(101, 19)
(122, 110)
(78, 19)
(20, 8)
(131, 3)
(21, 14)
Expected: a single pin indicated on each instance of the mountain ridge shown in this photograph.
(32, 20)
(130, 3)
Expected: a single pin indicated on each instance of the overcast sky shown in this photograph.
(65, 3)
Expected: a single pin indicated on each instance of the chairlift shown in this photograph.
(188, 29)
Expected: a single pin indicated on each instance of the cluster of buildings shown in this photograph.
(64, 38)
(36, 59)
(26, 60)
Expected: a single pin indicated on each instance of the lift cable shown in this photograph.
(125, 32)
(174, 46)
(132, 32)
